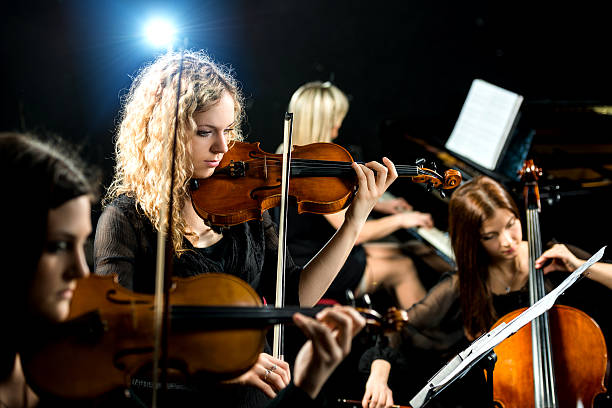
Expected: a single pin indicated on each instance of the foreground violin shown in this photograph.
(217, 330)
(247, 182)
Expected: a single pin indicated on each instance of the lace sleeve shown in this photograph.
(433, 324)
(429, 312)
(115, 246)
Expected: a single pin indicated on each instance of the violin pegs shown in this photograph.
(350, 297)
(367, 300)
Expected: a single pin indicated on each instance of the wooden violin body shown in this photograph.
(248, 182)
(109, 336)
(217, 330)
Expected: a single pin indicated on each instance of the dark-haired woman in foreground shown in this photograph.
(46, 222)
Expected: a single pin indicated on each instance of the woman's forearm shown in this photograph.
(319, 273)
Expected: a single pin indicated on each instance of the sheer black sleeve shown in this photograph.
(434, 323)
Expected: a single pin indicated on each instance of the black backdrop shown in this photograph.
(66, 63)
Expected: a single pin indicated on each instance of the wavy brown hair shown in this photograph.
(470, 205)
(145, 135)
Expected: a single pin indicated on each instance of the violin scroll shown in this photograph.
(452, 178)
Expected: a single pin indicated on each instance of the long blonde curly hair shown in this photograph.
(146, 131)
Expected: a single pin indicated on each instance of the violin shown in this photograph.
(217, 329)
(248, 182)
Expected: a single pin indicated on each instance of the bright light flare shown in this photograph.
(160, 32)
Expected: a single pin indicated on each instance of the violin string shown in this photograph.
(324, 165)
(332, 163)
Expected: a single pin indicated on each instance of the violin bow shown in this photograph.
(278, 340)
(164, 264)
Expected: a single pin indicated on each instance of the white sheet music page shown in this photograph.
(484, 123)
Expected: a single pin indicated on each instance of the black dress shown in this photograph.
(125, 244)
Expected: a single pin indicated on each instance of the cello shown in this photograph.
(558, 360)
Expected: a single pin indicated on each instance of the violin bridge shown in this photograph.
(265, 167)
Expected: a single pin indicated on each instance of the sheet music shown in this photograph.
(484, 123)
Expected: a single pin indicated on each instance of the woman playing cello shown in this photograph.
(491, 280)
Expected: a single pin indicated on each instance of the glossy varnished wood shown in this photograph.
(225, 200)
(579, 355)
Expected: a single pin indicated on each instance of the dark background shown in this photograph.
(65, 64)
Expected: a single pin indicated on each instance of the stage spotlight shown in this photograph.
(160, 33)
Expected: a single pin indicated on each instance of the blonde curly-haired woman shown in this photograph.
(209, 118)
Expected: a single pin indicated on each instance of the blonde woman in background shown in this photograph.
(319, 109)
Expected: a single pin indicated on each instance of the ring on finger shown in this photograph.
(268, 371)
(274, 367)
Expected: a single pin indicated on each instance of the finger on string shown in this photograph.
(370, 177)
(361, 177)
(359, 321)
(324, 341)
(381, 174)
(392, 171)
(343, 325)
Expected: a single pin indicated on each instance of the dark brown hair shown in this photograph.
(472, 204)
(36, 177)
